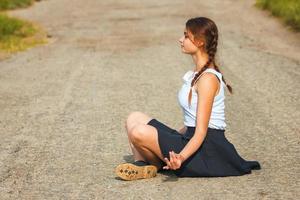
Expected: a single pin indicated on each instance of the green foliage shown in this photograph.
(14, 27)
(288, 10)
(16, 34)
(12, 4)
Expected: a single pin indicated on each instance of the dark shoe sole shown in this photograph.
(129, 172)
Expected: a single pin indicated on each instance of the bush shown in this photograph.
(288, 10)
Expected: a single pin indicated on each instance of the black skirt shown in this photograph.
(216, 157)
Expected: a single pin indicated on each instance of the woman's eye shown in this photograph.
(185, 35)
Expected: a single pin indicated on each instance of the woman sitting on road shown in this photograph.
(200, 148)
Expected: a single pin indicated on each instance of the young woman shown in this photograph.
(199, 148)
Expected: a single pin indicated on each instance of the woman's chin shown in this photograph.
(183, 51)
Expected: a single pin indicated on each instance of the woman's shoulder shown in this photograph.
(207, 81)
(213, 70)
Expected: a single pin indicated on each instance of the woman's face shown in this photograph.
(188, 44)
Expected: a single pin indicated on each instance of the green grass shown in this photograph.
(288, 10)
(13, 4)
(16, 34)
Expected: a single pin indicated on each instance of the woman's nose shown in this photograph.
(181, 39)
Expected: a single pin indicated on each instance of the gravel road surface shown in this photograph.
(63, 105)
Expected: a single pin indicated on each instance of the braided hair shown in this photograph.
(206, 29)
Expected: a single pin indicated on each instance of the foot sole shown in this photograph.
(128, 171)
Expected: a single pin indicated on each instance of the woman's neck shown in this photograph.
(200, 59)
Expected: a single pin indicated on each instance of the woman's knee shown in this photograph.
(138, 134)
(132, 120)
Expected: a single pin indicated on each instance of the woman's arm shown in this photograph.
(182, 130)
(206, 87)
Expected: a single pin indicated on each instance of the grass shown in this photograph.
(13, 4)
(17, 34)
(288, 10)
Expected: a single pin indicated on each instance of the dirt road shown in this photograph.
(64, 105)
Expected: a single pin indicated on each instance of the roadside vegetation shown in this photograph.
(288, 10)
(13, 4)
(17, 34)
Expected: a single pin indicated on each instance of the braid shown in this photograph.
(206, 29)
(195, 79)
(211, 51)
(215, 43)
(227, 85)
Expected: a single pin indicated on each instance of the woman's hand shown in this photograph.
(175, 161)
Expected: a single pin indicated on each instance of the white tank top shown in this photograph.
(217, 118)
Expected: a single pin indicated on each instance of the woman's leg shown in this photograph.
(143, 139)
(133, 119)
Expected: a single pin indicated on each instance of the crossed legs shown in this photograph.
(143, 139)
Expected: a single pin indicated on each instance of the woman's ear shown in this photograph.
(200, 44)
